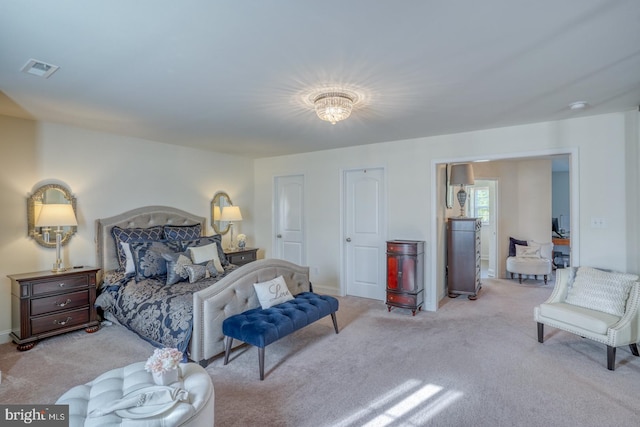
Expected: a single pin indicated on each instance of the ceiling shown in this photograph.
(231, 76)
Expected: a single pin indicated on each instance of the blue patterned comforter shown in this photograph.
(161, 314)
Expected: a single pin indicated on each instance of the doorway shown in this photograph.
(483, 199)
(289, 219)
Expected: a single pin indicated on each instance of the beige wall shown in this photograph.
(415, 208)
(108, 174)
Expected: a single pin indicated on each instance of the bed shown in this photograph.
(184, 315)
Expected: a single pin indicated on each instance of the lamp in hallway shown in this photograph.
(57, 215)
(462, 174)
(231, 214)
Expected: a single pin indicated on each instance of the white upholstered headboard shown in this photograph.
(142, 217)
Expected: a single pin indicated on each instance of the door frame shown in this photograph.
(436, 278)
(385, 224)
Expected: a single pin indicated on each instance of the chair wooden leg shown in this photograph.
(227, 350)
(520, 277)
(634, 349)
(611, 358)
(545, 279)
(261, 362)
(512, 275)
(540, 332)
(535, 277)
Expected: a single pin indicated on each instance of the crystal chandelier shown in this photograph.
(334, 106)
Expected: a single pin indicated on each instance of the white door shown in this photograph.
(364, 238)
(289, 219)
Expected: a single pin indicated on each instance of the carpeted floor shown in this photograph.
(471, 363)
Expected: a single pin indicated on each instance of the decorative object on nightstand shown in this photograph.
(57, 215)
(44, 304)
(231, 214)
(241, 256)
(242, 241)
(405, 274)
(462, 174)
(463, 257)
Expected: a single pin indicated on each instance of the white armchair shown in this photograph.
(598, 305)
(534, 259)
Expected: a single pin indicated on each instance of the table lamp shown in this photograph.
(57, 215)
(462, 174)
(231, 214)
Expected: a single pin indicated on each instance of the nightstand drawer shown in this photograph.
(59, 302)
(242, 256)
(61, 283)
(61, 320)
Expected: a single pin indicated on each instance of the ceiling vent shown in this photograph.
(39, 68)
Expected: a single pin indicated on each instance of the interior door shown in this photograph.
(364, 233)
(289, 219)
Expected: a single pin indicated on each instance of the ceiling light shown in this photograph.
(333, 104)
(578, 105)
(39, 68)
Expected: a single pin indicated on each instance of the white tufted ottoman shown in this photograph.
(111, 386)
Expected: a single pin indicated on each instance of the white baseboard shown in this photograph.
(4, 337)
(325, 291)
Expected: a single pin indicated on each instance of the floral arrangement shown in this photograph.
(242, 238)
(163, 360)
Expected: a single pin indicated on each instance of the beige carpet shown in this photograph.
(471, 363)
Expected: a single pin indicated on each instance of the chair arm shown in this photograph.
(561, 288)
(627, 329)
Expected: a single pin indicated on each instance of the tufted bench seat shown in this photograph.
(196, 411)
(261, 327)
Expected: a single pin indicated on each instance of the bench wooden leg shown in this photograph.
(540, 332)
(261, 362)
(227, 350)
(335, 322)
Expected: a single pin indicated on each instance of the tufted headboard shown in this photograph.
(142, 217)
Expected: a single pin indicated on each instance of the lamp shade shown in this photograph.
(56, 215)
(230, 214)
(461, 174)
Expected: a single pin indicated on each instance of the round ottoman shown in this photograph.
(112, 386)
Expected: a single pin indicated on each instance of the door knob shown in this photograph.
(348, 239)
(279, 236)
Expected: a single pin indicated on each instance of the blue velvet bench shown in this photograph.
(260, 327)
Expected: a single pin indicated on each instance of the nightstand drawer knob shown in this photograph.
(63, 322)
(61, 285)
(62, 304)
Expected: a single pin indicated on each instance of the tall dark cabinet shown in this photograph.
(405, 274)
(463, 257)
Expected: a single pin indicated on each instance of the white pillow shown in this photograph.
(129, 266)
(546, 249)
(200, 254)
(273, 292)
(527, 251)
(601, 290)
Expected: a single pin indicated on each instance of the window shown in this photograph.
(481, 204)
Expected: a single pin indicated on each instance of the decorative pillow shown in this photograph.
(148, 259)
(203, 254)
(546, 249)
(601, 290)
(512, 245)
(216, 238)
(129, 268)
(127, 235)
(273, 292)
(182, 232)
(527, 252)
(197, 272)
(176, 263)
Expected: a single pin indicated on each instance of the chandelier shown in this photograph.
(333, 106)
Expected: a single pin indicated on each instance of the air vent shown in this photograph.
(39, 68)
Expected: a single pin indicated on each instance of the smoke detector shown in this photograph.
(39, 68)
(578, 105)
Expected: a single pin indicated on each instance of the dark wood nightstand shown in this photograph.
(241, 256)
(44, 304)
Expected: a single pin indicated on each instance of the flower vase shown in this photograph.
(241, 244)
(166, 378)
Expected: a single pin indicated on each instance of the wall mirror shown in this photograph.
(220, 200)
(49, 194)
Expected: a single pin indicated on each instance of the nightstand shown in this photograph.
(241, 256)
(44, 304)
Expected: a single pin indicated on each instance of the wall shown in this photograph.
(108, 174)
(415, 208)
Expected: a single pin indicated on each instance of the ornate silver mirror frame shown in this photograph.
(220, 200)
(48, 193)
